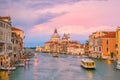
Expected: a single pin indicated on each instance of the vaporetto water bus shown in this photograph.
(87, 63)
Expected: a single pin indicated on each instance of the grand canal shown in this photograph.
(65, 67)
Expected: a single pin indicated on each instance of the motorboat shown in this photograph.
(27, 59)
(87, 63)
(20, 65)
(118, 65)
(55, 54)
(7, 68)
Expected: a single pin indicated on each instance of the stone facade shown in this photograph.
(11, 42)
(5, 40)
(18, 37)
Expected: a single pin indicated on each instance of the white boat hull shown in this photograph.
(7, 68)
(20, 65)
(87, 67)
(88, 63)
(118, 65)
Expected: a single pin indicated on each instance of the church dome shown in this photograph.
(55, 36)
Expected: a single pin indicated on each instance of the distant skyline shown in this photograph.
(80, 18)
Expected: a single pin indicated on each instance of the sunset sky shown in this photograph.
(80, 18)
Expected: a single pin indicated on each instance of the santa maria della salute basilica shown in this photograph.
(62, 45)
(56, 37)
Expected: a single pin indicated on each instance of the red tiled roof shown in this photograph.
(13, 28)
(109, 35)
(6, 17)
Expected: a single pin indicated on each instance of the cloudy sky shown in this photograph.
(80, 18)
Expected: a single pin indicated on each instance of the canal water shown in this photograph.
(65, 67)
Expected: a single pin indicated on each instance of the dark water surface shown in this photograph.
(65, 67)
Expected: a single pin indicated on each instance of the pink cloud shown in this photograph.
(81, 18)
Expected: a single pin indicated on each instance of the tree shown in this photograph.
(87, 42)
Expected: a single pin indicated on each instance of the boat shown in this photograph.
(55, 54)
(87, 63)
(7, 68)
(117, 63)
(27, 59)
(84, 56)
(20, 65)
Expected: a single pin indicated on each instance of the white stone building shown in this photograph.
(5, 40)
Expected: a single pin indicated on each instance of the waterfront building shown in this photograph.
(15, 47)
(65, 41)
(100, 45)
(46, 47)
(86, 48)
(118, 41)
(108, 45)
(38, 48)
(94, 41)
(75, 48)
(19, 42)
(5, 40)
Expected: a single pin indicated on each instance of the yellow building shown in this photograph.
(118, 41)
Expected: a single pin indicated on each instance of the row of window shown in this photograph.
(88, 63)
(4, 25)
(97, 42)
(2, 47)
(2, 37)
(15, 41)
(97, 48)
(5, 29)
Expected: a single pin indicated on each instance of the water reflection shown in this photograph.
(46, 67)
(4, 75)
(109, 62)
(90, 74)
(35, 62)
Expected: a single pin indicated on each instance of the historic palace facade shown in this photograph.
(11, 42)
